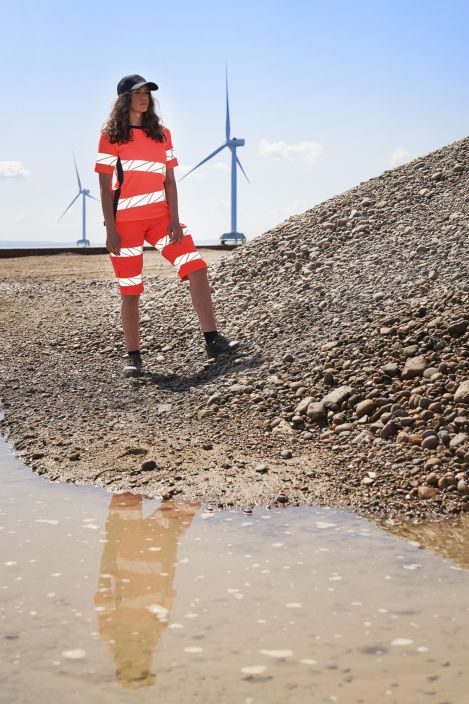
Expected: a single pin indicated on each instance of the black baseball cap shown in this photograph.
(133, 82)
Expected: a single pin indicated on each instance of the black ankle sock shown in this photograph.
(134, 352)
(210, 335)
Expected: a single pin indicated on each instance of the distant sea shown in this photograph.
(26, 244)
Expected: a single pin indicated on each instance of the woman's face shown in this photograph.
(140, 99)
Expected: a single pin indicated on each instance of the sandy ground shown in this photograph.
(84, 267)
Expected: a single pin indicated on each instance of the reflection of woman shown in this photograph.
(138, 148)
(135, 590)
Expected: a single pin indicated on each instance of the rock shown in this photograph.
(391, 369)
(148, 465)
(389, 430)
(283, 427)
(458, 328)
(261, 469)
(414, 367)
(365, 408)
(430, 442)
(286, 454)
(316, 411)
(303, 405)
(426, 492)
(337, 396)
(462, 393)
(463, 487)
(207, 446)
(458, 440)
(343, 428)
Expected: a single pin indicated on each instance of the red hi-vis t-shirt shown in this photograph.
(144, 163)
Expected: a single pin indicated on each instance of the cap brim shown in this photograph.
(152, 86)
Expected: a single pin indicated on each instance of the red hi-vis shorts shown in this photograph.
(128, 265)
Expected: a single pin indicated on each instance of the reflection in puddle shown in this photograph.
(136, 591)
(101, 595)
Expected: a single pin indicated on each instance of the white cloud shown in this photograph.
(308, 151)
(13, 169)
(221, 166)
(400, 156)
(184, 169)
(18, 217)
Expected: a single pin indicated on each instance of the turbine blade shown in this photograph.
(68, 207)
(241, 167)
(88, 196)
(227, 106)
(78, 177)
(204, 160)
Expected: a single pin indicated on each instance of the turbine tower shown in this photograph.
(84, 192)
(232, 143)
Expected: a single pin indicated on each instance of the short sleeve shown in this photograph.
(171, 159)
(106, 159)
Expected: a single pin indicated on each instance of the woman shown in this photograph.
(143, 206)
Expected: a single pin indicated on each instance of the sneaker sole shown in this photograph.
(234, 346)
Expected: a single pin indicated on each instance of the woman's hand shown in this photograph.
(175, 232)
(113, 242)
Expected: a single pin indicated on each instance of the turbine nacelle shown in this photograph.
(235, 142)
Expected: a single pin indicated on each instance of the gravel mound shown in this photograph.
(352, 387)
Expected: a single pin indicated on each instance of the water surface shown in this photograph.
(118, 598)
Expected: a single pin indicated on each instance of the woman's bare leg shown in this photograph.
(130, 321)
(202, 299)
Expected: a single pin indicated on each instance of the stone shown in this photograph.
(286, 454)
(391, 369)
(430, 442)
(458, 440)
(261, 469)
(337, 396)
(316, 411)
(414, 367)
(463, 487)
(303, 405)
(149, 465)
(283, 427)
(458, 328)
(365, 407)
(426, 492)
(462, 393)
(389, 430)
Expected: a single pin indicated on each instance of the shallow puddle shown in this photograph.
(116, 598)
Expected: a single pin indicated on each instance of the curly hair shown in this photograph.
(118, 127)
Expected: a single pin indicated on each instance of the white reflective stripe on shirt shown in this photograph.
(133, 281)
(129, 252)
(106, 159)
(185, 258)
(143, 199)
(170, 154)
(155, 167)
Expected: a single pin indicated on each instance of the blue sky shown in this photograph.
(326, 95)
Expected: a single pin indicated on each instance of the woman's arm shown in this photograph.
(105, 187)
(172, 199)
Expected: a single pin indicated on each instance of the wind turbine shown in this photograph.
(84, 192)
(232, 143)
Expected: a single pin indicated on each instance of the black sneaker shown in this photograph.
(221, 345)
(133, 366)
